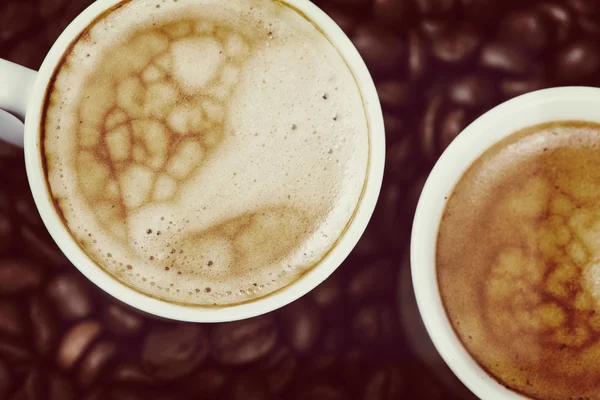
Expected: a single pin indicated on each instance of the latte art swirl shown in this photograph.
(208, 153)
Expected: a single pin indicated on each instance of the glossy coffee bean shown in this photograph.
(375, 324)
(44, 325)
(11, 318)
(95, 361)
(122, 321)
(393, 93)
(76, 341)
(526, 28)
(451, 126)
(577, 61)
(18, 275)
(60, 388)
(128, 373)
(46, 252)
(394, 125)
(472, 90)
(392, 12)
(589, 26)
(170, 353)
(434, 28)
(561, 19)
(401, 160)
(70, 294)
(302, 325)
(584, 6)
(14, 350)
(244, 341)
(456, 45)
(515, 87)
(504, 57)
(373, 280)
(6, 229)
(329, 292)
(418, 55)
(382, 51)
(384, 383)
(278, 368)
(429, 124)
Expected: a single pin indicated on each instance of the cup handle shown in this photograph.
(16, 83)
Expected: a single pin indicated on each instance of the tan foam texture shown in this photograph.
(518, 260)
(204, 151)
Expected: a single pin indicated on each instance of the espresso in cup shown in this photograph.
(205, 152)
(518, 260)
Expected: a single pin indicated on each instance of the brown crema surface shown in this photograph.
(518, 260)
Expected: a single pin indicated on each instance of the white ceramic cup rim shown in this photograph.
(556, 104)
(109, 284)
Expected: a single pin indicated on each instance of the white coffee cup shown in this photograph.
(22, 93)
(566, 103)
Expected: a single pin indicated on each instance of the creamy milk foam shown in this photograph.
(205, 151)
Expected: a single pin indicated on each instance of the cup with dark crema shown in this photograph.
(505, 251)
(204, 160)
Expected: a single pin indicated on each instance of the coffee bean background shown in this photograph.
(438, 65)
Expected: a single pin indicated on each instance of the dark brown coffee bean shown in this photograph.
(456, 45)
(46, 251)
(76, 341)
(393, 125)
(18, 275)
(481, 11)
(428, 126)
(369, 243)
(69, 293)
(452, 124)
(375, 324)
(6, 230)
(387, 215)
(26, 210)
(516, 87)
(585, 7)
(43, 325)
(302, 325)
(245, 341)
(206, 384)
(32, 388)
(353, 367)
(11, 318)
(59, 388)
(412, 198)
(400, 158)
(5, 380)
(121, 321)
(100, 394)
(278, 368)
(170, 353)
(321, 391)
(375, 279)
(504, 57)
(577, 61)
(434, 28)
(13, 350)
(46, 8)
(382, 51)
(395, 93)
(128, 373)
(392, 12)
(344, 20)
(328, 292)
(95, 361)
(435, 6)
(589, 26)
(472, 90)
(417, 55)
(527, 29)
(249, 387)
(561, 18)
(385, 383)
(15, 18)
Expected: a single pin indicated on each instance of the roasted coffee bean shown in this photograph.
(589, 26)
(25, 207)
(527, 29)
(95, 361)
(481, 11)
(43, 325)
(388, 215)
(6, 230)
(11, 318)
(392, 12)
(5, 380)
(328, 292)
(46, 8)
(577, 61)
(452, 124)
(382, 51)
(128, 373)
(249, 387)
(244, 341)
(278, 368)
(506, 58)
(417, 55)
(375, 279)
(561, 18)
(353, 368)
(412, 198)
(46, 251)
(435, 6)
(456, 45)
(516, 87)
(584, 6)
(32, 387)
(16, 17)
(434, 28)
(345, 21)
(400, 158)
(394, 93)
(59, 388)
(302, 325)
(369, 243)
(170, 353)
(100, 394)
(76, 341)
(375, 324)
(384, 383)
(206, 384)
(13, 350)
(472, 90)
(122, 321)
(18, 275)
(322, 391)
(70, 293)
(428, 128)
(393, 125)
